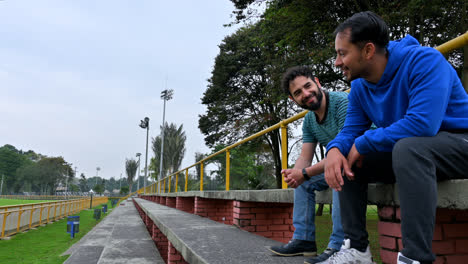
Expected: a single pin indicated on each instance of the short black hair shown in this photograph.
(366, 27)
(294, 72)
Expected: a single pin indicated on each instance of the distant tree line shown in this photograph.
(34, 173)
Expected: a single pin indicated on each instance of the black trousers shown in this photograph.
(415, 164)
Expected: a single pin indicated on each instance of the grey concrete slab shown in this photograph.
(451, 194)
(121, 237)
(201, 240)
(86, 255)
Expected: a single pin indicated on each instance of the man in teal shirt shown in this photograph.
(321, 125)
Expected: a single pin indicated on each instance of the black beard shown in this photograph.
(314, 106)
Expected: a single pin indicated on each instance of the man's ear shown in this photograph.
(369, 50)
(317, 81)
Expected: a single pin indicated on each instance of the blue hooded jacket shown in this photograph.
(418, 95)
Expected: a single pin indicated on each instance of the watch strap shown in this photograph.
(304, 173)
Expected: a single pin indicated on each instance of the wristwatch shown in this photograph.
(304, 173)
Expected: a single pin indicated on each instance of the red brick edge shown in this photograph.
(274, 221)
(450, 240)
(167, 251)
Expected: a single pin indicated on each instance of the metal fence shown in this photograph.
(18, 218)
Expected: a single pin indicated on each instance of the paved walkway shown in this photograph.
(121, 237)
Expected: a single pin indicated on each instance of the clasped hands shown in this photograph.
(293, 177)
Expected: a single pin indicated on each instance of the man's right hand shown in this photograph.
(334, 165)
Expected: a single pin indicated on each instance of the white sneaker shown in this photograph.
(348, 255)
(404, 260)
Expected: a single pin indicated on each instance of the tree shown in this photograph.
(74, 188)
(99, 188)
(309, 25)
(199, 156)
(10, 160)
(131, 166)
(83, 183)
(174, 149)
(124, 190)
(250, 168)
(43, 176)
(243, 95)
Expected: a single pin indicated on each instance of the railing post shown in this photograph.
(176, 181)
(201, 176)
(40, 216)
(20, 212)
(164, 186)
(284, 152)
(228, 170)
(169, 185)
(186, 179)
(31, 216)
(5, 215)
(48, 213)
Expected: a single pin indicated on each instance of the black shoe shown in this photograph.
(322, 257)
(296, 247)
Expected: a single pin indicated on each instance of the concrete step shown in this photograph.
(121, 237)
(201, 240)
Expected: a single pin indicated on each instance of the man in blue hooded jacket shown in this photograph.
(417, 101)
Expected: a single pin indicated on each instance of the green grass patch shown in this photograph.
(4, 202)
(323, 226)
(45, 244)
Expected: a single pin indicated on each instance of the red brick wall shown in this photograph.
(166, 249)
(171, 202)
(185, 204)
(216, 209)
(271, 220)
(174, 257)
(450, 242)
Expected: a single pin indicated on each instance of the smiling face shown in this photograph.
(349, 57)
(306, 93)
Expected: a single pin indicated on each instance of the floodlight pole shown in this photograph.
(138, 176)
(166, 95)
(145, 124)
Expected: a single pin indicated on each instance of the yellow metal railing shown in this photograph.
(17, 218)
(160, 185)
(453, 44)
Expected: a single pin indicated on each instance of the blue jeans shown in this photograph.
(304, 212)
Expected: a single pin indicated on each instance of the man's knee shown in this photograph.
(405, 153)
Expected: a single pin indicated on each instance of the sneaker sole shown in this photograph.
(305, 254)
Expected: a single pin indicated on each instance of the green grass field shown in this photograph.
(323, 225)
(45, 244)
(4, 202)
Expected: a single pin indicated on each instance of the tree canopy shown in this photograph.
(131, 167)
(174, 149)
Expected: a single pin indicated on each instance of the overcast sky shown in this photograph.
(76, 77)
